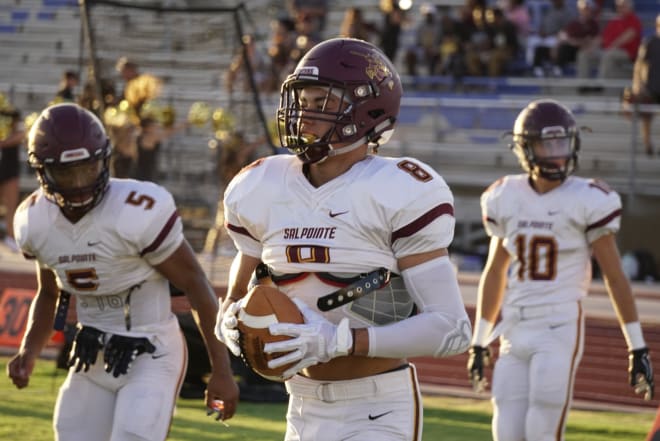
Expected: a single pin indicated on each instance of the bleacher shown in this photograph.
(455, 127)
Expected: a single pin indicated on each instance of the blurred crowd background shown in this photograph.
(185, 109)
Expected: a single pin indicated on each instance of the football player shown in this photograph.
(544, 226)
(324, 217)
(114, 244)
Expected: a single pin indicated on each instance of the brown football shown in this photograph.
(265, 305)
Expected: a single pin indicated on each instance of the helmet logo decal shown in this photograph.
(311, 72)
(74, 155)
(553, 132)
(377, 68)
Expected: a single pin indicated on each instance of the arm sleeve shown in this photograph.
(442, 327)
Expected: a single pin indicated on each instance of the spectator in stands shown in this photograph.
(470, 32)
(145, 126)
(89, 100)
(451, 52)
(281, 43)
(426, 49)
(355, 26)
(390, 30)
(306, 37)
(234, 153)
(646, 82)
(236, 77)
(124, 127)
(540, 46)
(504, 42)
(517, 13)
(242, 100)
(471, 14)
(67, 87)
(315, 11)
(149, 139)
(578, 34)
(128, 70)
(616, 48)
(12, 134)
(477, 43)
(493, 46)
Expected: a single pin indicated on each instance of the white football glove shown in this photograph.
(316, 341)
(225, 327)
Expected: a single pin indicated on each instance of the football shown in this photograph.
(263, 306)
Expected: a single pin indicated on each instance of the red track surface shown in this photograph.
(602, 376)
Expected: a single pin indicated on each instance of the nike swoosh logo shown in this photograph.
(375, 417)
(91, 244)
(156, 357)
(339, 213)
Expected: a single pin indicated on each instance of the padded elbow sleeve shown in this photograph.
(440, 329)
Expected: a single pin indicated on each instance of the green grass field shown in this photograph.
(25, 415)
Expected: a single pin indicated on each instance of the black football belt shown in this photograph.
(367, 284)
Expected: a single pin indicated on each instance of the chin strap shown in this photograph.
(382, 138)
(349, 148)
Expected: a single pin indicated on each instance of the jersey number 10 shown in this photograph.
(537, 256)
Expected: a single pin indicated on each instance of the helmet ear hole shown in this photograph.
(376, 113)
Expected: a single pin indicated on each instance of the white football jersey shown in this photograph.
(380, 210)
(108, 253)
(548, 235)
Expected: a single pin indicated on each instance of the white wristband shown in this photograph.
(482, 331)
(632, 332)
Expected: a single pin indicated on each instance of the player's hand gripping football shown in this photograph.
(479, 358)
(316, 341)
(225, 327)
(640, 372)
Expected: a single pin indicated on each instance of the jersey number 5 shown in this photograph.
(537, 257)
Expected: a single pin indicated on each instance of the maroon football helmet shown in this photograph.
(367, 86)
(544, 132)
(68, 144)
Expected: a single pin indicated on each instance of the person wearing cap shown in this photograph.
(577, 34)
(646, 82)
(426, 48)
(128, 70)
(615, 49)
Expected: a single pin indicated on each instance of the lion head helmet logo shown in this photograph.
(377, 68)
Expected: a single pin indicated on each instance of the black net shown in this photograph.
(191, 97)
